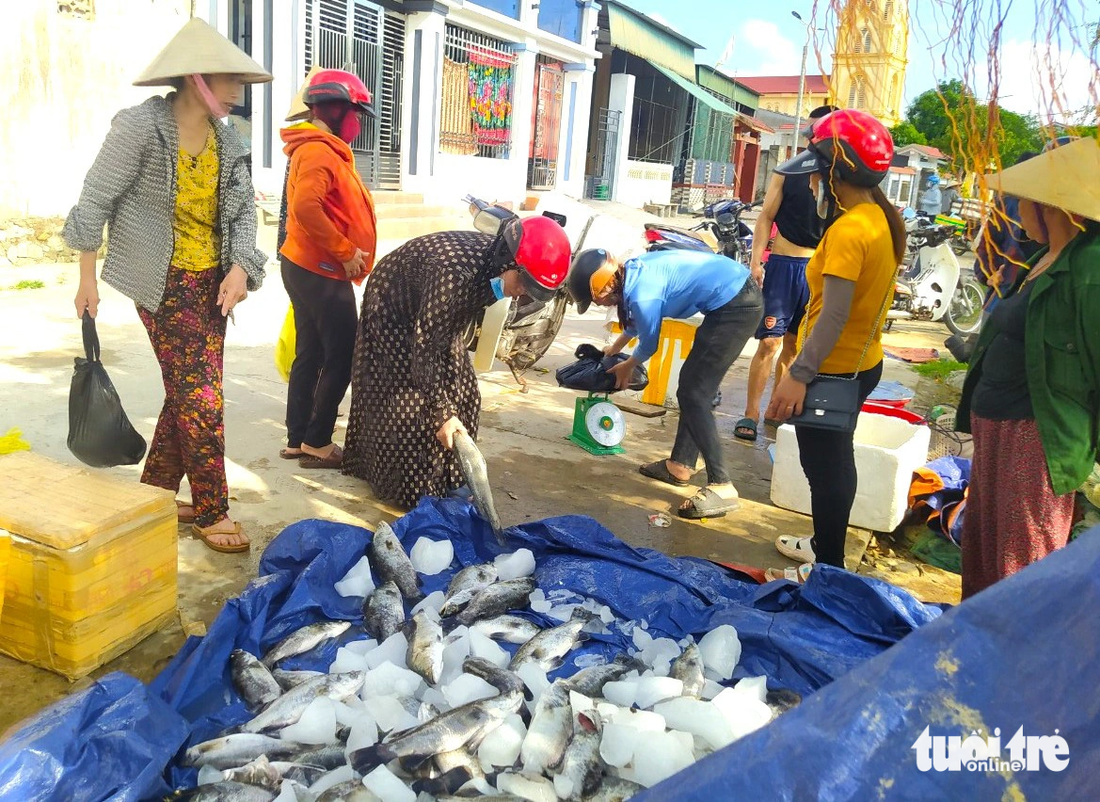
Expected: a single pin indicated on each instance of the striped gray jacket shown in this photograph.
(131, 188)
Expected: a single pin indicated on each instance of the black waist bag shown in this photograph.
(100, 434)
(589, 372)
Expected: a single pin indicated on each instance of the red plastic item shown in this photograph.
(893, 409)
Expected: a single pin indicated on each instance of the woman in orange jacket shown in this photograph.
(330, 242)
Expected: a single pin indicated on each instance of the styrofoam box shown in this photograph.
(887, 450)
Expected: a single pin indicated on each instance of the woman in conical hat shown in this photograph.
(172, 183)
(1032, 394)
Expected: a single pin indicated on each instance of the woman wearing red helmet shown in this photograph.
(327, 240)
(413, 386)
(851, 280)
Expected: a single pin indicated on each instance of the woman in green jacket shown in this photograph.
(1032, 396)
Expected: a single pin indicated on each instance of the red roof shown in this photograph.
(783, 84)
(903, 170)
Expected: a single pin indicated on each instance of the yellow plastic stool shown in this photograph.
(673, 347)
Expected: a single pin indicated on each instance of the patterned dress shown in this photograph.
(411, 371)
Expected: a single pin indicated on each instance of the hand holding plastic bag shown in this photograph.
(589, 372)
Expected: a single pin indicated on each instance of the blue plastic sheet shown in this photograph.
(801, 637)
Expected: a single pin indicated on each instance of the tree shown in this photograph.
(904, 133)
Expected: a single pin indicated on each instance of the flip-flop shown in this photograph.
(708, 504)
(204, 534)
(333, 460)
(745, 429)
(797, 574)
(799, 549)
(185, 517)
(659, 470)
(284, 453)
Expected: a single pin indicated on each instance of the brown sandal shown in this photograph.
(185, 517)
(204, 533)
(333, 460)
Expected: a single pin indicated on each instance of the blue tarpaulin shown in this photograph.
(100, 743)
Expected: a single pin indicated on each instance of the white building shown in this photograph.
(912, 166)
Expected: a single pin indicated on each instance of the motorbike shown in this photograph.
(722, 219)
(517, 331)
(932, 285)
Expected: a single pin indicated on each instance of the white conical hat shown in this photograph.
(298, 108)
(1065, 177)
(200, 49)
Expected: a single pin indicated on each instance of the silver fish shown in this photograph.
(548, 647)
(231, 751)
(425, 652)
(550, 730)
(304, 639)
(349, 791)
(502, 679)
(781, 700)
(466, 584)
(614, 789)
(688, 668)
(392, 564)
(259, 772)
(581, 767)
(426, 712)
(507, 628)
(476, 473)
(288, 679)
(288, 708)
(384, 612)
(590, 681)
(464, 726)
(448, 773)
(252, 680)
(498, 598)
(298, 772)
(322, 757)
(525, 785)
(225, 791)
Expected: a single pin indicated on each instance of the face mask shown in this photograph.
(497, 285)
(217, 109)
(350, 127)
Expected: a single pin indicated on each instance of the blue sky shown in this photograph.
(768, 41)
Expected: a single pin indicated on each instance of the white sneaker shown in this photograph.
(796, 548)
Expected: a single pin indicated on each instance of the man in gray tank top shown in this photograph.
(790, 206)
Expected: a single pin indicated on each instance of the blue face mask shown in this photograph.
(497, 285)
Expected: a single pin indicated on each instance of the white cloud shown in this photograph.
(1042, 79)
(760, 48)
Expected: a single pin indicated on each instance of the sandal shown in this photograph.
(799, 574)
(707, 504)
(185, 517)
(799, 549)
(204, 533)
(659, 470)
(745, 429)
(333, 460)
(286, 453)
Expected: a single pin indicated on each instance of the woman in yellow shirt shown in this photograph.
(851, 279)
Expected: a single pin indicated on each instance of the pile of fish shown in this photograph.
(451, 700)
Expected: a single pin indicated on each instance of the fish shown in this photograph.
(384, 612)
(231, 751)
(425, 652)
(688, 668)
(507, 628)
(464, 726)
(288, 679)
(526, 786)
(781, 700)
(590, 681)
(349, 791)
(460, 759)
(614, 789)
(445, 783)
(581, 766)
(476, 473)
(426, 712)
(502, 679)
(465, 585)
(498, 598)
(288, 708)
(392, 564)
(259, 772)
(224, 791)
(299, 772)
(550, 730)
(547, 648)
(252, 680)
(325, 758)
(302, 640)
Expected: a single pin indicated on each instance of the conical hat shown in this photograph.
(1066, 177)
(298, 108)
(199, 49)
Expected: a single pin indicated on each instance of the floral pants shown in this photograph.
(188, 336)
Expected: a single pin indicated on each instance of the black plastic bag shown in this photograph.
(589, 372)
(100, 434)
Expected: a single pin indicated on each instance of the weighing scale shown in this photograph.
(598, 425)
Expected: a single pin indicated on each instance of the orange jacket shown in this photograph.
(330, 212)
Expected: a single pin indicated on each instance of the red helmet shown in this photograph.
(540, 247)
(338, 85)
(848, 144)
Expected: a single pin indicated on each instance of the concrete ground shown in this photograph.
(535, 471)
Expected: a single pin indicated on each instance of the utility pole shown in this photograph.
(801, 78)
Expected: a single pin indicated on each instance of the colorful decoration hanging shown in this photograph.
(491, 76)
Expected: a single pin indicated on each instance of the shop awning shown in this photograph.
(696, 91)
(644, 36)
(754, 124)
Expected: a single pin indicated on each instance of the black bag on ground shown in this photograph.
(589, 372)
(100, 434)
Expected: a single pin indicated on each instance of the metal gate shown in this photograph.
(542, 170)
(361, 37)
(601, 181)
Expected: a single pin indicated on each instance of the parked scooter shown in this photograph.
(522, 328)
(932, 285)
(722, 219)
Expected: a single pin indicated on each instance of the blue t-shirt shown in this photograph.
(676, 284)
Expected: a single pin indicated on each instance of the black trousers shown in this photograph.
(719, 341)
(829, 462)
(325, 320)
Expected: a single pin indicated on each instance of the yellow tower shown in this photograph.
(872, 46)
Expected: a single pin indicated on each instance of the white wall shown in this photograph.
(644, 182)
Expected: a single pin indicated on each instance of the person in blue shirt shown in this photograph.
(679, 284)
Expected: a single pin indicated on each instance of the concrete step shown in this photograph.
(406, 211)
(393, 198)
(403, 228)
